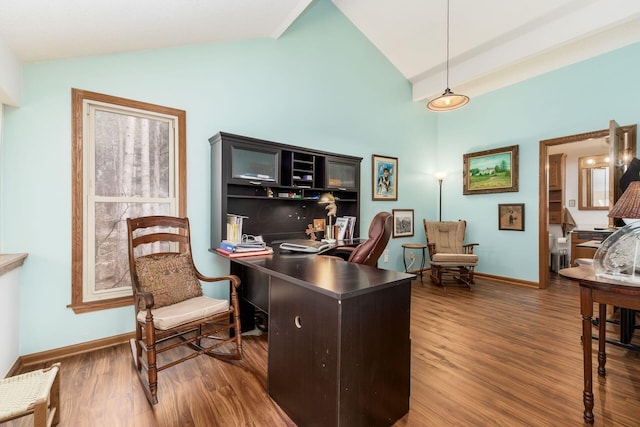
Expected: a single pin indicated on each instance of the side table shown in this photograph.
(422, 246)
(603, 292)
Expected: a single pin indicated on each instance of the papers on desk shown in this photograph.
(302, 245)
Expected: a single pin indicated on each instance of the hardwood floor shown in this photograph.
(497, 355)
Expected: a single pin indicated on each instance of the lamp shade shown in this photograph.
(628, 205)
(326, 198)
(448, 101)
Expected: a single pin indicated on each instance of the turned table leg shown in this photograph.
(586, 308)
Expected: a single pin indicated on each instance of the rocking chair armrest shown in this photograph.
(468, 248)
(235, 280)
(144, 300)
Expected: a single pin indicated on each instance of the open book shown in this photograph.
(302, 245)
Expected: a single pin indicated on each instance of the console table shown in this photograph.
(339, 347)
(603, 292)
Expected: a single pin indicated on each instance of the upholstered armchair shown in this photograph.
(448, 253)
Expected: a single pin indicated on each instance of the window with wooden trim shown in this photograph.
(129, 160)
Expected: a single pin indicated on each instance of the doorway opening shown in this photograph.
(622, 149)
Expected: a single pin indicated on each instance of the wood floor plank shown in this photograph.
(496, 355)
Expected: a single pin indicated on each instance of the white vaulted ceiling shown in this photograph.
(493, 43)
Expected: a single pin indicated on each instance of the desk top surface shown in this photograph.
(591, 281)
(330, 276)
(595, 244)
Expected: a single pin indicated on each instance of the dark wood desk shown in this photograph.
(339, 347)
(603, 292)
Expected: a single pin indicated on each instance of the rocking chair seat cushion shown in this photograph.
(445, 259)
(185, 311)
(169, 277)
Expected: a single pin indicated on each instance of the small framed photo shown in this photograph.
(319, 224)
(402, 222)
(384, 171)
(490, 171)
(511, 216)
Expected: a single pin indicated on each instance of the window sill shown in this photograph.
(87, 307)
(10, 262)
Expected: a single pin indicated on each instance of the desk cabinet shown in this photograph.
(339, 362)
(339, 346)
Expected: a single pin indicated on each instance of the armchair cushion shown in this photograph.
(445, 259)
(169, 277)
(447, 236)
(185, 311)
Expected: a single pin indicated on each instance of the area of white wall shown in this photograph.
(321, 85)
(10, 76)
(9, 319)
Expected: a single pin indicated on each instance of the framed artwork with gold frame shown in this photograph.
(490, 171)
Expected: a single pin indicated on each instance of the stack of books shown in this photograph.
(346, 227)
(235, 250)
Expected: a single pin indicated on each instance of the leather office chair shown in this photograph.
(448, 253)
(169, 304)
(370, 250)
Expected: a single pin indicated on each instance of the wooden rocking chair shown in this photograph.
(170, 308)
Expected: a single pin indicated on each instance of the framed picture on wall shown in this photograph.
(402, 222)
(490, 171)
(384, 171)
(511, 216)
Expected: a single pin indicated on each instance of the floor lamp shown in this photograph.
(440, 176)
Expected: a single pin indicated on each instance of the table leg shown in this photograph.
(627, 325)
(602, 340)
(422, 266)
(404, 259)
(586, 309)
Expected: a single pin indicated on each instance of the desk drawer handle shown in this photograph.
(298, 322)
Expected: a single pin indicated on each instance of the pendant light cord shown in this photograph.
(448, 19)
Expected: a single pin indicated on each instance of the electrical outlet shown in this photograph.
(385, 255)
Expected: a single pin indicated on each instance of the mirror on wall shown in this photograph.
(593, 182)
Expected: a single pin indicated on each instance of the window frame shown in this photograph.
(78, 304)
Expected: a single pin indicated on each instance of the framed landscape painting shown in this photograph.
(491, 171)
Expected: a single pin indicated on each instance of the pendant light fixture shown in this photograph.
(448, 101)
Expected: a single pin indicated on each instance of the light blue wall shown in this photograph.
(321, 85)
(576, 99)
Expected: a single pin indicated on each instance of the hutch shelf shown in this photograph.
(276, 186)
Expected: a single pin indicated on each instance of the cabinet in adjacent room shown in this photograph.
(556, 187)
